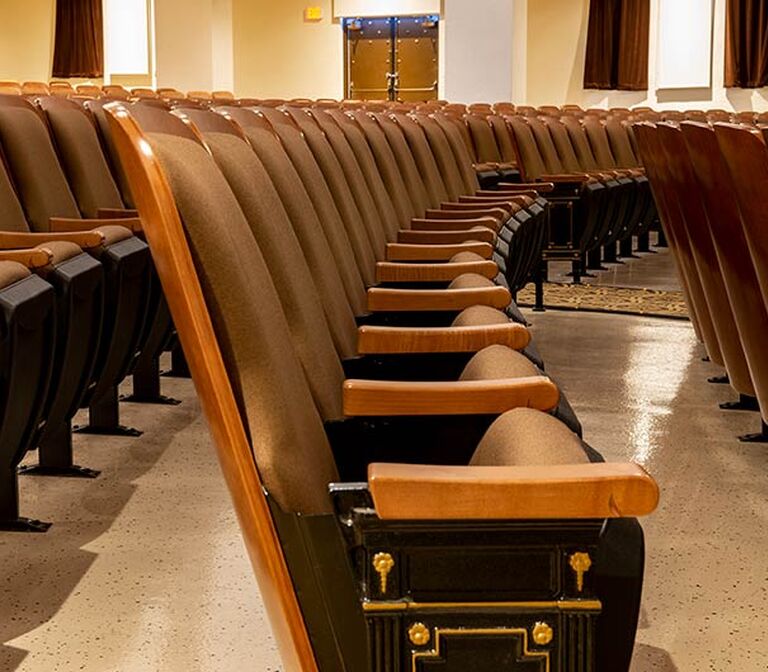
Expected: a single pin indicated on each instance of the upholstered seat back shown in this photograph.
(81, 155)
(287, 436)
(444, 156)
(321, 239)
(483, 139)
(529, 158)
(562, 141)
(33, 164)
(464, 159)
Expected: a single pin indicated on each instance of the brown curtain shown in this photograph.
(617, 45)
(746, 43)
(79, 46)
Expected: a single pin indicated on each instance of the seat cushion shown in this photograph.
(476, 316)
(11, 272)
(465, 257)
(525, 436)
(498, 361)
(114, 233)
(471, 281)
(62, 250)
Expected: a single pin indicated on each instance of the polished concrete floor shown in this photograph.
(144, 569)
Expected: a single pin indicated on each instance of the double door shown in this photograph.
(392, 58)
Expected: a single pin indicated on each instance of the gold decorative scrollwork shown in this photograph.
(383, 564)
(580, 563)
(418, 633)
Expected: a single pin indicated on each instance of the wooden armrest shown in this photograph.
(37, 258)
(454, 224)
(85, 239)
(541, 187)
(65, 224)
(467, 210)
(577, 491)
(462, 397)
(494, 200)
(387, 271)
(382, 299)
(390, 340)
(446, 237)
(410, 252)
(474, 208)
(512, 195)
(569, 178)
(117, 213)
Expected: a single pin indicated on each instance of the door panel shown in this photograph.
(369, 58)
(391, 58)
(416, 58)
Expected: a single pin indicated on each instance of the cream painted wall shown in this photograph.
(278, 54)
(26, 39)
(184, 43)
(557, 32)
(477, 49)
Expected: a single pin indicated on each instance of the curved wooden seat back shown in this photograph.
(237, 343)
(693, 218)
(745, 153)
(727, 229)
(483, 139)
(652, 156)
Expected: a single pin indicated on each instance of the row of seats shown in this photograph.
(708, 183)
(342, 287)
(63, 215)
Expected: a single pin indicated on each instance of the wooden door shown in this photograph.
(391, 58)
(369, 58)
(416, 47)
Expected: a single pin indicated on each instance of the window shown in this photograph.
(127, 37)
(685, 44)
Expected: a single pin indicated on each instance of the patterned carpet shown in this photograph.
(607, 299)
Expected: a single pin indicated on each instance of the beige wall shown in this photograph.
(26, 39)
(557, 32)
(278, 54)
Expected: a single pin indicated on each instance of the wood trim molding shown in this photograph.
(390, 340)
(85, 239)
(387, 271)
(411, 252)
(417, 237)
(457, 224)
(193, 323)
(32, 259)
(463, 397)
(599, 490)
(386, 299)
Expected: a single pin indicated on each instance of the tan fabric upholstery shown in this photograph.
(11, 214)
(313, 320)
(114, 233)
(41, 184)
(340, 211)
(319, 239)
(496, 362)
(81, 156)
(466, 257)
(11, 272)
(289, 442)
(476, 316)
(471, 281)
(62, 251)
(525, 436)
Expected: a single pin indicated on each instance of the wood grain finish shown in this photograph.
(463, 397)
(464, 210)
(387, 271)
(37, 258)
(116, 213)
(65, 224)
(85, 239)
(571, 178)
(182, 289)
(417, 237)
(600, 490)
(390, 340)
(541, 187)
(503, 210)
(410, 252)
(382, 299)
(454, 224)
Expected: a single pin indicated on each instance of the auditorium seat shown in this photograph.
(80, 151)
(35, 89)
(89, 91)
(64, 89)
(27, 341)
(297, 460)
(49, 206)
(10, 88)
(724, 221)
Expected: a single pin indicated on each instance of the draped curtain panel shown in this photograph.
(617, 45)
(746, 44)
(79, 41)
